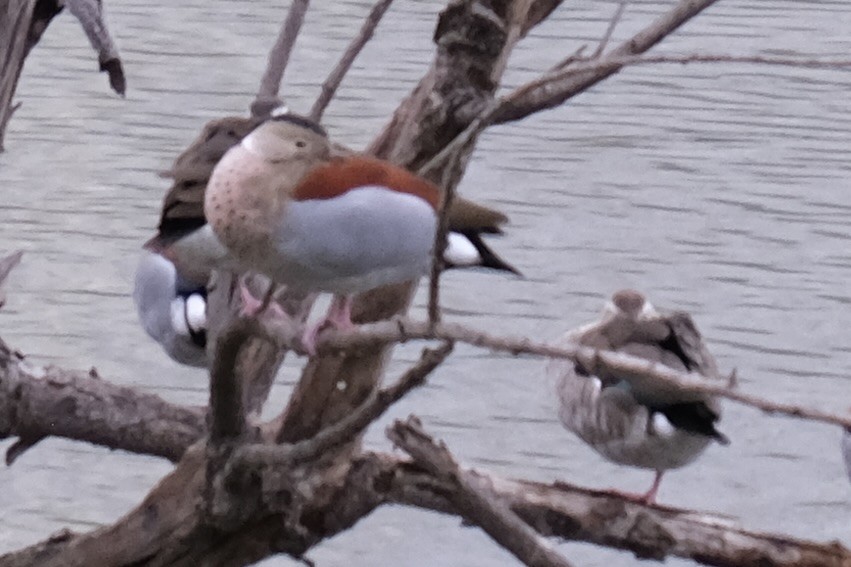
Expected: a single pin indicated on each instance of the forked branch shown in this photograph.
(473, 499)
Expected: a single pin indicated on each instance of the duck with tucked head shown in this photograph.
(640, 422)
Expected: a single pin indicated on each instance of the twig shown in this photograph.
(511, 108)
(570, 59)
(279, 57)
(613, 23)
(628, 367)
(7, 264)
(555, 80)
(332, 83)
(516, 26)
(474, 499)
(353, 424)
(449, 158)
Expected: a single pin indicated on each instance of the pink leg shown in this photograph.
(339, 316)
(650, 497)
(251, 306)
(340, 313)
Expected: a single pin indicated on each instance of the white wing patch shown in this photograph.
(196, 312)
(661, 426)
(178, 316)
(460, 251)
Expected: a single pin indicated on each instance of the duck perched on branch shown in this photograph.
(635, 422)
(192, 249)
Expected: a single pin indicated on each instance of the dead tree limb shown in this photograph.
(578, 514)
(19, 31)
(473, 499)
(279, 58)
(37, 402)
(91, 17)
(350, 426)
(532, 98)
(636, 370)
(23, 22)
(332, 83)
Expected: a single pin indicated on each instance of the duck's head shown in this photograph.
(629, 304)
(286, 137)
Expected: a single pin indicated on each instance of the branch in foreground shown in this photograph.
(332, 83)
(603, 518)
(350, 426)
(473, 499)
(39, 402)
(630, 368)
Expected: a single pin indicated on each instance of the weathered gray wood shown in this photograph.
(36, 402)
(15, 19)
(22, 23)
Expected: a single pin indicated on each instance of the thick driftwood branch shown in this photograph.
(473, 499)
(38, 402)
(332, 83)
(227, 404)
(561, 510)
(604, 518)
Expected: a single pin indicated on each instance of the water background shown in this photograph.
(721, 189)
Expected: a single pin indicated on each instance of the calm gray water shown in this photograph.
(721, 189)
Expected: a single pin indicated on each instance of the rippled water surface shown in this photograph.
(721, 189)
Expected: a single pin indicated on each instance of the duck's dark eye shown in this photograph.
(300, 144)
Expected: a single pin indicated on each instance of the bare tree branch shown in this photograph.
(630, 368)
(37, 402)
(613, 23)
(332, 83)
(279, 58)
(7, 264)
(352, 425)
(518, 16)
(90, 15)
(453, 167)
(605, 518)
(515, 106)
(474, 499)
(579, 67)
